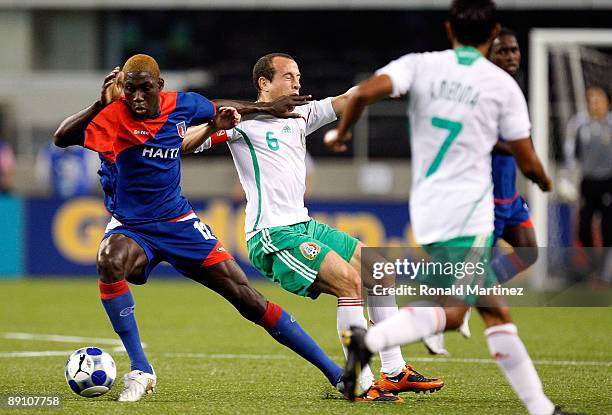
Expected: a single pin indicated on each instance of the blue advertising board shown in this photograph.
(63, 235)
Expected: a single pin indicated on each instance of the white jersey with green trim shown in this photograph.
(269, 154)
(459, 103)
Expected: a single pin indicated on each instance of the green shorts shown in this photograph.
(292, 255)
(461, 265)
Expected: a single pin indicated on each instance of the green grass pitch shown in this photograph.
(211, 361)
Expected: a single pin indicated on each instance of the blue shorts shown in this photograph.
(510, 214)
(188, 245)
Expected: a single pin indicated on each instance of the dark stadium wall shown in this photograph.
(329, 48)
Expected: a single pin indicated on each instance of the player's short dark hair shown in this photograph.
(506, 31)
(264, 67)
(473, 20)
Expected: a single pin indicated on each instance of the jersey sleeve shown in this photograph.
(201, 108)
(514, 121)
(318, 114)
(402, 72)
(101, 132)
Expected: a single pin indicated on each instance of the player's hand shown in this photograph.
(334, 142)
(282, 107)
(566, 190)
(226, 118)
(546, 184)
(112, 86)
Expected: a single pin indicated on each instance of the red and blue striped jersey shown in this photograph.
(140, 168)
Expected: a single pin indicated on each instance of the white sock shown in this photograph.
(512, 358)
(380, 308)
(350, 313)
(409, 325)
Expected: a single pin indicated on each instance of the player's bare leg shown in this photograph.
(409, 325)
(119, 258)
(413, 323)
(338, 278)
(228, 280)
(509, 265)
(396, 376)
(505, 266)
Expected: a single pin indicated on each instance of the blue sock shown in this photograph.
(119, 305)
(288, 332)
(506, 266)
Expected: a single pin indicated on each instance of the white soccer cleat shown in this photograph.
(464, 329)
(135, 384)
(435, 344)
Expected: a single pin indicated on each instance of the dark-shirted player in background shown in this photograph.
(588, 144)
(138, 137)
(512, 221)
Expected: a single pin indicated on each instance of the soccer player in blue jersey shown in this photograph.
(512, 221)
(138, 137)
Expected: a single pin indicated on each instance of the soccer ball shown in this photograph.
(90, 372)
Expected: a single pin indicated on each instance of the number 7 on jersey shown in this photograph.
(454, 128)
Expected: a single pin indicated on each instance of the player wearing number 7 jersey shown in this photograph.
(459, 104)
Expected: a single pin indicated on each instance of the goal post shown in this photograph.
(541, 43)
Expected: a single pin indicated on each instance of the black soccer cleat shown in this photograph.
(558, 411)
(358, 356)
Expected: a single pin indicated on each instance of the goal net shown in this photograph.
(563, 63)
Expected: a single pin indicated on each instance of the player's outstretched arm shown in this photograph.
(368, 92)
(70, 131)
(527, 160)
(280, 107)
(225, 119)
(339, 102)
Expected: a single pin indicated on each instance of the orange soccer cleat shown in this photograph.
(409, 380)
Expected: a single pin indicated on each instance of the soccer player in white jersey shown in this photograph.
(285, 244)
(459, 104)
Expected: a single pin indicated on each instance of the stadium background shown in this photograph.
(56, 52)
(209, 360)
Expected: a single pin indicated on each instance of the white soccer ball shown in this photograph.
(90, 372)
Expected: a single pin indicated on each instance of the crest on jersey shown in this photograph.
(181, 127)
(310, 250)
(303, 138)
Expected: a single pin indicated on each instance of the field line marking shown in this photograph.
(44, 353)
(415, 359)
(119, 348)
(232, 356)
(63, 339)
